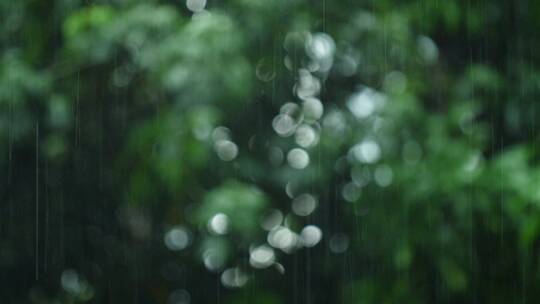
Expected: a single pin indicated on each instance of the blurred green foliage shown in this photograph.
(189, 151)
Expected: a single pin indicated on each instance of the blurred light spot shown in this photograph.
(226, 150)
(298, 158)
(219, 223)
(383, 175)
(473, 162)
(221, 133)
(195, 5)
(177, 238)
(367, 151)
(321, 49)
(202, 131)
(262, 256)
(307, 86)
(283, 238)
(233, 278)
(213, 259)
(321, 46)
(289, 108)
(75, 285)
(304, 204)
(313, 109)
(428, 49)
(288, 63)
(70, 281)
(339, 243)
(334, 122)
(179, 296)
(348, 66)
(279, 268)
(272, 219)
(311, 235)
(306, 136)
(350, 192)
(365, 102)
(284, 125)
(290, 189)
(361, 176)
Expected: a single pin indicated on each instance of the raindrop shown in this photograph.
(262, 256)
(298, 158)
(367, 151)
(364, 103)
(321, 49)
(233, 278)
(361, 176)
(307, 86)
(334, 122)
(284, 125)
(219, 223)
(196, 5)
(304, 204)
(383, 175)
(350, 192)
(311, 235)
(428, 49)
(282, 238)
(226, 150)
(213, 260)
(221, 133)
(71, 282)
(313, 109)
(177, 238)
(306, 136)
(272, 219)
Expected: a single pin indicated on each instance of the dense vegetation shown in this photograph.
(277, 151)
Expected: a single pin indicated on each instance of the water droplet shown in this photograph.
(195, 5)
(364, 103)
(304, 204)
(233, 278)
(383, 175)
(272, 219)
(262, 256)
(368, 151)
(283, 238)
(177, 238)
(306, 136)
(226, 150)
(219, 224)
(313, 109)
(298, 158)
(311, 235)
